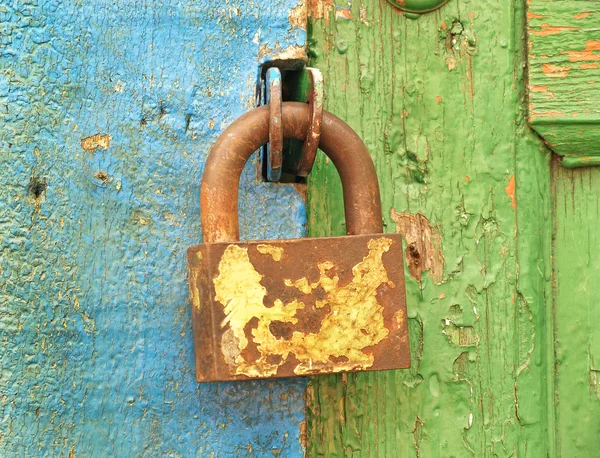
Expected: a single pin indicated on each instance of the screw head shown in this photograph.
(417, 6)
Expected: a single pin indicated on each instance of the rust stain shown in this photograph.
(588, 66)
(587, 54)
(354, 322)
(102, 176)
(320, 9)
(291, 53)
(510, 192)
(303, 434)
(93, 142)
(556, 71)
(298, 17)
(438, 98)
(424, 243)
(583, 15)
(467, 178)
(548, 29)
(194, 274)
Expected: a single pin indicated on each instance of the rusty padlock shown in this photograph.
(280, 308)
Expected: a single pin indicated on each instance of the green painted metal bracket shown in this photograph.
(418, 6)
(564, 78)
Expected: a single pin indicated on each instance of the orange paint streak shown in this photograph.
(532, 15)
(578, 56)
(547, 114)
(510, 192)
(343, 13)
(548, 29)
(582, 15)
(587, 54)
(542, 89)
(555, 71)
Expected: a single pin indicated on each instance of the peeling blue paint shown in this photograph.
(95, 319)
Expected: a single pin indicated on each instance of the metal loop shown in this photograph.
(274, 148)
(313, 136)
(221, 178)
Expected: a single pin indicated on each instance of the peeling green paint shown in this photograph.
(441, 104)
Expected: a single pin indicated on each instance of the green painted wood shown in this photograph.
(564, 75)
(441, 104)
(577, 268)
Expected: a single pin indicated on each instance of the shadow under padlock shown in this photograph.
(281, 308)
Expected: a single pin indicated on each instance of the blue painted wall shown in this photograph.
(96, 351)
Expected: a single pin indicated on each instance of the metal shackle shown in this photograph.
(221, 177)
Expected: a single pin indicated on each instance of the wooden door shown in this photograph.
(482, 118)
(440, 101)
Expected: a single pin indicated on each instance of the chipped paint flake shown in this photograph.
(547, 29)
(354, 322)
(274, 251)
(93, 142)
(363, 15)
(298, 17)
(532, 15)
(587, 54)
(556, 71)
(320, 9)
(344, 14)
(510, 192)
(542, 89)
(291, 53)
(423, 251)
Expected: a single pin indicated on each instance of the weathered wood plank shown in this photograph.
(440, 102)
(577, 310)
(564, 74)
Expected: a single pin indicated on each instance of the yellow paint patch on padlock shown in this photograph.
(354, 322)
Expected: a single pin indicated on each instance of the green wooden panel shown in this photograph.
(440, 102)
(564, 75)
(577, 309)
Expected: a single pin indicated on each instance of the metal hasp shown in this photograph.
(283, 308)
(274, 147)
(418, 6)
(315, 104)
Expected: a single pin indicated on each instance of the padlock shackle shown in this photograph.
(221, 178)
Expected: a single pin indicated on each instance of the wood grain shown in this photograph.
(577, 310)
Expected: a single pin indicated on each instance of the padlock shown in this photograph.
(281, 308)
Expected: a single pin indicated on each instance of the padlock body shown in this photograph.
(281, 308)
